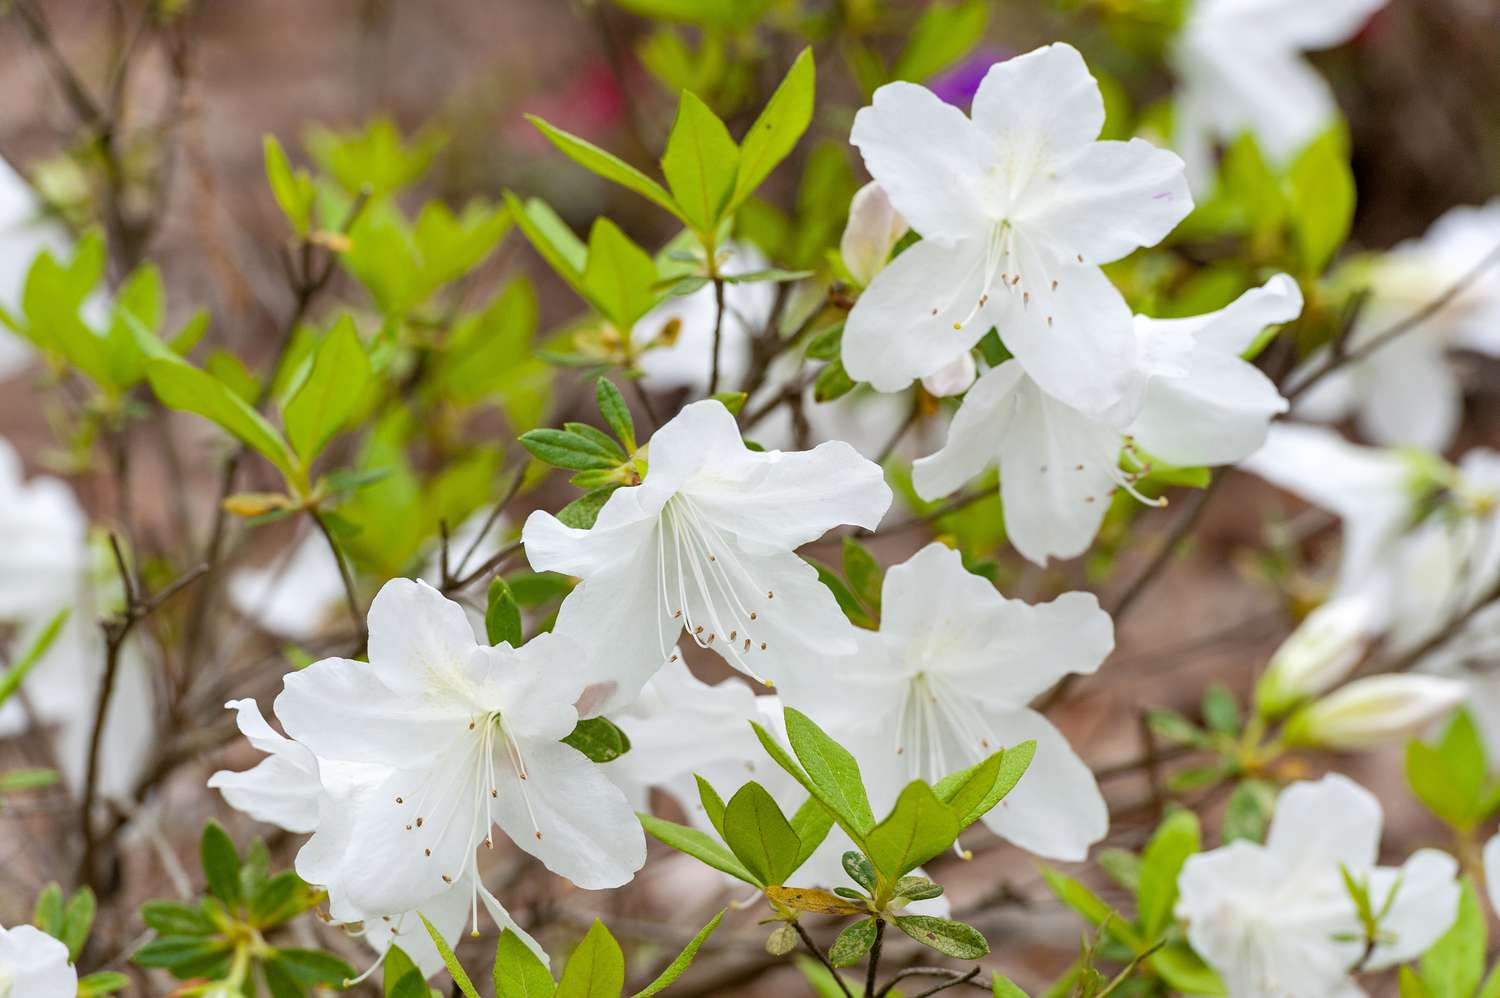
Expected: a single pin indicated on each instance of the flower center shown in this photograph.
(714, 596)
(932, 716)
(1001, 268)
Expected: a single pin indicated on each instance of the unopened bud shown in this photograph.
(953, 378)
(1320, 652)
(873, 230)
(1375, 711)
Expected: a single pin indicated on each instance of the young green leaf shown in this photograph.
(619, 275)
(78, 918)
(831, 769)
(700, 163)
(684, 959)
(615, 412)
(859, 870)
(104, 982)
(401, 977)
(502, 615)
(596, 969)
(918, 828)
(863, 572)
(455, 969)
(853, 943)
(713, 804)
(564, 449)
(221, 863)
(698, 845)
(961, 789)
(1321, 192)
(333, 389)
(599, 739)
(833, 382)
(943, 35)
(1454, 964)
(955, 939)
(812, 823)
(179, 385)
(47, 913)
(1004, 987)
(916, 889)
(519, 973)
(759, 834)
(776, 130)
(1088, 904)
(1175, 840)
(11, 680)
(293, 189)
(607, 165)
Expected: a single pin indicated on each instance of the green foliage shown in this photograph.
(376, 158)
(759, 835)
(599, 739)
(293, 189)
(216, 937)
(1452, 777)
(11, 679)
(1454, 965)
(331, 393)
(502, 615)
(950, 938)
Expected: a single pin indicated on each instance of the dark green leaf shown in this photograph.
(918, 828)
(312, 966)
(180, 954)
(759, 834)
(573, 451)
(859, 869)
(917, 889)
(833, 382)
(583, 511)
(174, 918)
(596, 969)
(502, 615)
(221, 863)
(599, 739)
(955, 939)
(615, 412)
(519, 973)
(698, 845)
(853, 943)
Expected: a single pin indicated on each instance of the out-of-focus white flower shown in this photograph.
(1193, 401)
(34, 965)
(1491, 857)
(469, 736)
(686, 359)
(294, 597)
(954, 379)
(945, 683)
(707, 542)
(1018, 205)
(1406, 391)
(1376, 710)
(1240, 68)
(23, 235)
(872, 232)
(1319, 653)
(1277, 919)
(43, 543)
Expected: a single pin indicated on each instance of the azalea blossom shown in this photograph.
(1018, 205)
(1376, 710)
(34, 965)
(43, 543)
(706, 544)
(1240, 68)
(1325, 647)
(1406, 391)
(1277, 919)
(469, 737)
(945, 683)
(1193, 401)
(871, 234)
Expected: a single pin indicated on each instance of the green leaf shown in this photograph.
(619, 275)
(713, 804)
(519, 973)
(863, 572)
(174, 918)
(759, 834)
(599, 437)
(574, 451)
(78, 918)
(502, 615)
(698, 845)
(615, 412)
(280, 899)
(918, 828)
(950, 938)
(1450, 778)
(181, 954)
(1004, 987)
(596, 969)
(859, 870)
(607, 165)
(776, 129)
(916, 889)
(455, 969)
(1184, 971)
(402, 978)
(1014, 762)
(833, 382)
(853, 943)
(599, 739)
(47, 913)
(826, 343)
(293, 189)
(812, 823)
(322, 406)
(1410, 985)
(1088, 904)
(181, 386)
(312, 966)
(684, 959)
(1320, 189)
(1220, 712)
(104, 982)
(19, 780)
(1248, 813)
(700, 163)
(583, 511)
(1454, 965)
(282, 982)
(733, 401)
(221, 863)
(831, 769)
(943, 35)
(11, 680)
(1175, 840)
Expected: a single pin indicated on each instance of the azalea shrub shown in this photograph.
(673, 537)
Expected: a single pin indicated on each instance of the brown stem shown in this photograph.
(874, 958)
(351, 597)
(713, 374)
(813, 949)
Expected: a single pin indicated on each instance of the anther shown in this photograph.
(698, 629)
(677, 615)
(711, 637)
(1054, 285)
(1080, 258)
(426, 852)
(754, 615)
(770, 595)
(419, 822)
(712, 558)
(400, 801)
(672, 659)
(539, 835)
(494, 792)
(1025, 298)
(747, 644)
(1049, 322)
(447, 879)
(408, 828)
(733, 635)
(934, 311)
(762, 646)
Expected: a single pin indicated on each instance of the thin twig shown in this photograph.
(813, 949)
(351, 597)
(713, 374)
(490, 563)
(965, 979)
(874, 957)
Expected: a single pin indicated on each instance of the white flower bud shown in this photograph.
(952, 379)
(1320, 652)
(1375, 711)
(873, 230)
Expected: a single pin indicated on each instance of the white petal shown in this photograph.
(1218, 413)
(925, 155)
(447, 912)
(1292, 22)
(553, 547)
(1234, 327)
(971, 445)
(903, 326)
(577, 823)
(417, 636)
(1492, 871)
(1326, 822)
(536, 686)
(1055, 475)
(954, 379)
(681, 724)
(1109, 200)
(1425, 905)
(276, 791)
(1409, 395)
(341, 710)
(35, 965)
(873, 230)
(1044, 102)
(1056, 811)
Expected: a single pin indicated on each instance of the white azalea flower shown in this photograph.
(1324, 648)
(1017, 206)
(872, 232)
(1277, 919)
(1376, 710)
(1240, 66)
(1406, 391)
(34, 965)
(43, 543)
(686, 361)
(470, 737)
(945, 683)
(283, 788)
(294, 597)
(1193, 402)
(706, 542)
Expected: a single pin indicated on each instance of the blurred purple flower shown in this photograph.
(958, 84)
